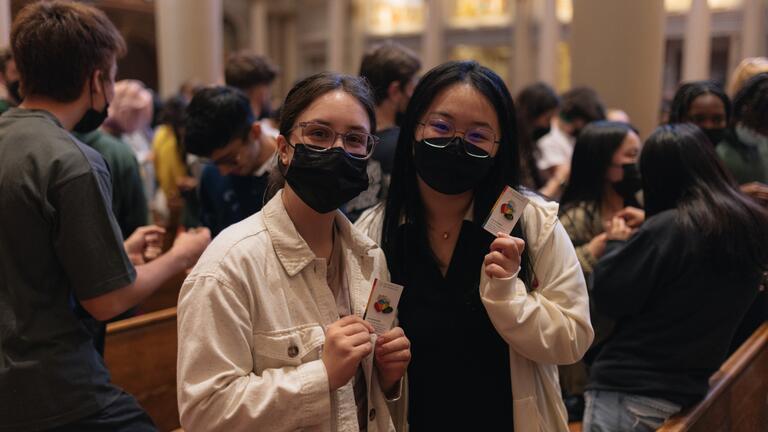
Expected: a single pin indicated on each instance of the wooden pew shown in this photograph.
(141, 356)
(737, 400)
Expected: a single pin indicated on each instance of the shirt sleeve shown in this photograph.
(87, 240)
(550, 324)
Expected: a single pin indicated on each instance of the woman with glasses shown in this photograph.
(270, 320)
(489, 315)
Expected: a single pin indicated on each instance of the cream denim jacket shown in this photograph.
(251, 319)
(544, 328)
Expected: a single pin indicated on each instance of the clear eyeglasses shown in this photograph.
(478, 141)
(319, 137)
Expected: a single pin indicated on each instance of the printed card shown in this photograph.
(506, 212)
(382, 305)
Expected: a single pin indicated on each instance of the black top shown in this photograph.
(459, 370)
(677, 305)
(59, 242)
(226, 200)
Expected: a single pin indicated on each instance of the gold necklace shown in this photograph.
(447, 233)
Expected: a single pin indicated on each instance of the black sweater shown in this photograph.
(677, 304)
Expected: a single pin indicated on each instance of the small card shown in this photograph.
(506, 212)
(382, 305)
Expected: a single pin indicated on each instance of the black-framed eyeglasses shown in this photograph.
(478, 141)
(319, 137)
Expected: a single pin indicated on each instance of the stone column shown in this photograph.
(5, 23)
(259, 11)
(624, 68)
(549, 36)
(696, 47)
(337, 24)
(433, 38)
(753, 29)
(522, 55)
(189, 42)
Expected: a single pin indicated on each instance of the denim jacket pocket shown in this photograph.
(287, 348)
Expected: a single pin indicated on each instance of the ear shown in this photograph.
(96, 79)
(283, 150)
(394, 91)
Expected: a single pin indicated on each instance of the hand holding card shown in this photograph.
(506, 211)
(504, 259)
(382, 305)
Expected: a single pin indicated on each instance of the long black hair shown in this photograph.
(688, 92)
(592, 156)
(404, 200)
(533, 101)
(680, 170)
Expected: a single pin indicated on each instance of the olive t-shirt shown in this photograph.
(59, 243)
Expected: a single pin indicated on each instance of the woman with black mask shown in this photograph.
(536, 106)
(677, 288)
(488, 315)
(704, 104)
(598, 205)
(270, 320)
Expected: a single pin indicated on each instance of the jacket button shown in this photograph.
(372, 414)
(293, 351)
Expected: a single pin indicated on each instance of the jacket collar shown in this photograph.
(291, 249)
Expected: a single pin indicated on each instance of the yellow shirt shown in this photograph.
(168, 164)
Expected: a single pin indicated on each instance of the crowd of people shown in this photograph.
(636, 267)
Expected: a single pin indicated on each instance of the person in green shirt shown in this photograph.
(129, 204)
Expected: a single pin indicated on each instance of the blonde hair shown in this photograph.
(748, 68)
(131, 108)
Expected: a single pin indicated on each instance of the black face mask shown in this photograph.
(715, 135)
(630, 184)
(325, 180)
(540, 132)
(92, 118)
(449, 170)
(14, 90)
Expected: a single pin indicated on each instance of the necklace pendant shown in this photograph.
(445, 235)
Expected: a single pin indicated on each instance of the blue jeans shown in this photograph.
(608, 411)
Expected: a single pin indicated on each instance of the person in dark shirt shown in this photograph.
(129, 203)
(60, 246)
(678, 288)
(220, 126)
(391, 69)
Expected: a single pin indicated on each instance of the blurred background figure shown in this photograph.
(129, 118)
(537, 106)
(599, 200)
(392, 71)
(10, 94)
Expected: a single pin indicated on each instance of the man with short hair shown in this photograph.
(254, 75)
(60, 246)
(220, 126)
(579, 107)
(391, 69)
